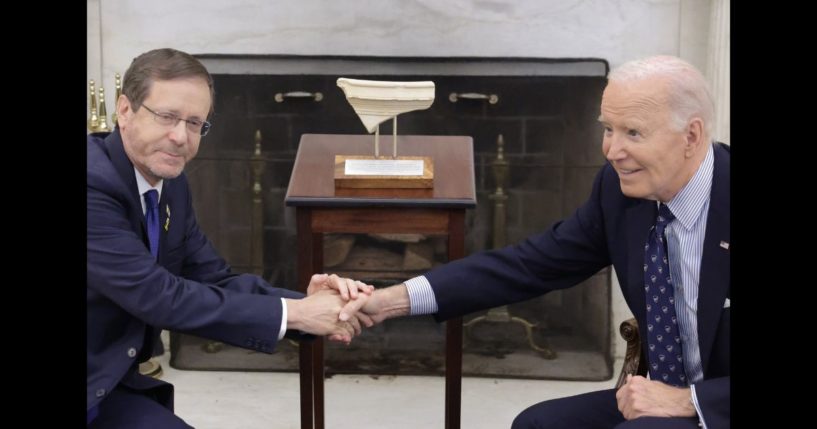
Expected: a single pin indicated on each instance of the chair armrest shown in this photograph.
(634, 362)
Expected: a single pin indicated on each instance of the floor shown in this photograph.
(249, 400)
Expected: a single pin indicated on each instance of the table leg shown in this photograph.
(453, 337)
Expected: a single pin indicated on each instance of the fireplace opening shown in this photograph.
(545, 111)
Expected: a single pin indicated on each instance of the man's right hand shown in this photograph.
(318, 314)
(387, 303)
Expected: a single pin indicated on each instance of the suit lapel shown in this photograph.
(126, 172)
(638, 220)
(714, 282)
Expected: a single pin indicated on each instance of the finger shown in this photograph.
(352, 307)
(315, 283)
(348, 329)
(341, 286)
(340, 334)
(355, 325)
(352, 286)
(365, 319)
(363, 287)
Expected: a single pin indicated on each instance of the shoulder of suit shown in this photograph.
(723, 146)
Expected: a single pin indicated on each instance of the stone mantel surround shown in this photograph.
(617, 31)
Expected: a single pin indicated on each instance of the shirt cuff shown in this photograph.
(421, 296)
(694, 399)
(283, 319)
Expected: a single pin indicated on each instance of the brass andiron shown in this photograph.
(103, 114)
(257, 231)
(500, 167)
(93, 120)
(118, 83)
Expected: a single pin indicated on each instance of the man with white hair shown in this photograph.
(659, 212)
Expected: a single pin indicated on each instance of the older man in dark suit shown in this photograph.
(659, 212)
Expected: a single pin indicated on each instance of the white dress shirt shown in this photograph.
(685, 238)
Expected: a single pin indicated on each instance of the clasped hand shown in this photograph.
(331, 308)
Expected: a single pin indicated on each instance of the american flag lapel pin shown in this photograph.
(725, 245)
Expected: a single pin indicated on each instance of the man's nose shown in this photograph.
(615, 148)
(178, 134)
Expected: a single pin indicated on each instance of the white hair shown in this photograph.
(689, 94)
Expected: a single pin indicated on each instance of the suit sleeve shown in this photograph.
(202, 263)
(713, 398)
(567, 253)
(238, 310)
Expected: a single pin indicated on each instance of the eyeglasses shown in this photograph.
(169, 119)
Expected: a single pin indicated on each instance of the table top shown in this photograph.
(312, 181)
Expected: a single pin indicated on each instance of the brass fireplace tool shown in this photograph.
(257, 244)
(98, 119)
(257, 165)
(118, 88)
(93, 120)
(500, 169)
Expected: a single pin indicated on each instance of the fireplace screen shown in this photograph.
(545, 112)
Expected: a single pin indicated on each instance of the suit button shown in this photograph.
(100, 393)
(131, 352)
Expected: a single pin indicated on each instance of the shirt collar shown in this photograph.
(688, 204)
(143, 186)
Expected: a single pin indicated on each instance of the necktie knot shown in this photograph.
(665, 216)
(151, 199)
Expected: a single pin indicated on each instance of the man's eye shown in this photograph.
(632, 133)
(167, 116)
(195, 122)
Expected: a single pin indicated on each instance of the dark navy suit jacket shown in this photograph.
(132, 296)
(609, 228)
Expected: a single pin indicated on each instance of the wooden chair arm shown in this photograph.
(634, 361)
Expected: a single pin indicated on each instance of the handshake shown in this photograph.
(337, 307)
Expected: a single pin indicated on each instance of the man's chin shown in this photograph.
(168, 173)
(632, 191)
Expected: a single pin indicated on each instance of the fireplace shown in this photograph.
(544, 109)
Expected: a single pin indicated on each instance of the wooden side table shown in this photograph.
(321, 209)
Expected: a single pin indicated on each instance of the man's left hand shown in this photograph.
(640, 397)
(349, 291)
(347, 288)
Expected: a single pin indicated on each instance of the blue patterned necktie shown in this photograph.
(152, 220)
(663, 338)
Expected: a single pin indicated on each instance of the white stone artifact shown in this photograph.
(377, 101)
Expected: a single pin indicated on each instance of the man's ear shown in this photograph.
(123, 110)
(694, 137)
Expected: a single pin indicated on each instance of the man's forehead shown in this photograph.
(633, 97)
(176, 94)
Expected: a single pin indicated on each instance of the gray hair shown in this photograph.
(688, 93)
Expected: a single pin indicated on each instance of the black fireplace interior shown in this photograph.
(545, 109)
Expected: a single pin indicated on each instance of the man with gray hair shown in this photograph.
(659, 212)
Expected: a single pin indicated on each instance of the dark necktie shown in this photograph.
(152, 220)
(663, 338)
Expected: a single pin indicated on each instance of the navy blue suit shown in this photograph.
(132, 296)
(609, 228)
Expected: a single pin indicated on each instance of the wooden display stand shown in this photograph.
(322, 208)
